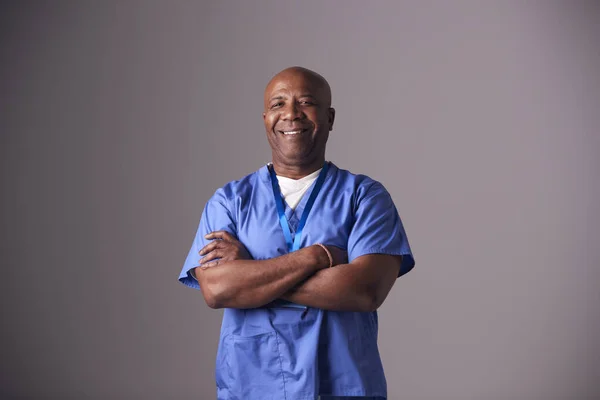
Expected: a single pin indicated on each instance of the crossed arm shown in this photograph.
(303, 277)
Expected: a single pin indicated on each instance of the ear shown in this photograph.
(331, 117)
(264, 116)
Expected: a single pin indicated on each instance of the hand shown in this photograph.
(224, 247)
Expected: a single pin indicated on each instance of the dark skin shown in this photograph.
(298, 102)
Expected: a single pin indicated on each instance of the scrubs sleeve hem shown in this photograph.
(189, 280)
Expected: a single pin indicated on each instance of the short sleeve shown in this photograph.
(378, 229)
(215, 217)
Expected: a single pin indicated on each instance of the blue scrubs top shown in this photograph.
(272, 353)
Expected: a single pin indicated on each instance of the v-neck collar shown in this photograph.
(293, 215)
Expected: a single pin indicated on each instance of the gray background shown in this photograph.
(119, 119)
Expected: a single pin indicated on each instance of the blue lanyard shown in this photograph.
(294, 245)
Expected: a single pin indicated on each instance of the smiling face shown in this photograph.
(298, 117)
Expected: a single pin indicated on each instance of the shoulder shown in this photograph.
(238, 188)
(363, 186)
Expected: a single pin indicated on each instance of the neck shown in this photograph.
(297, 171)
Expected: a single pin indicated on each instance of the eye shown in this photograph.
(306, 103)
(276, 105)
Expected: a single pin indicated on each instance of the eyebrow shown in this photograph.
(282, 97)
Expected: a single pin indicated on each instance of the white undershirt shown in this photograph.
(292, 190)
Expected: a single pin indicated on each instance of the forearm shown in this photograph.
(361, 285)
(254, 283)
(334, 289)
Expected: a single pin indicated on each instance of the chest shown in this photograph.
(330, 221)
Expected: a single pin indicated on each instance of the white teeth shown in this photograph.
(291, 132)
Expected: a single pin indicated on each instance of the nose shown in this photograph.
(292, 112)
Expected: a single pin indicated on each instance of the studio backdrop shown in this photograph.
(119, 119)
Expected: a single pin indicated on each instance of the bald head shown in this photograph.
(316, 81)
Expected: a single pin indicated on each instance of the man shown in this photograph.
(300, 254)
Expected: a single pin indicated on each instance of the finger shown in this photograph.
(210, 264)
(223, 235)
(210, 247)
(211, 256)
